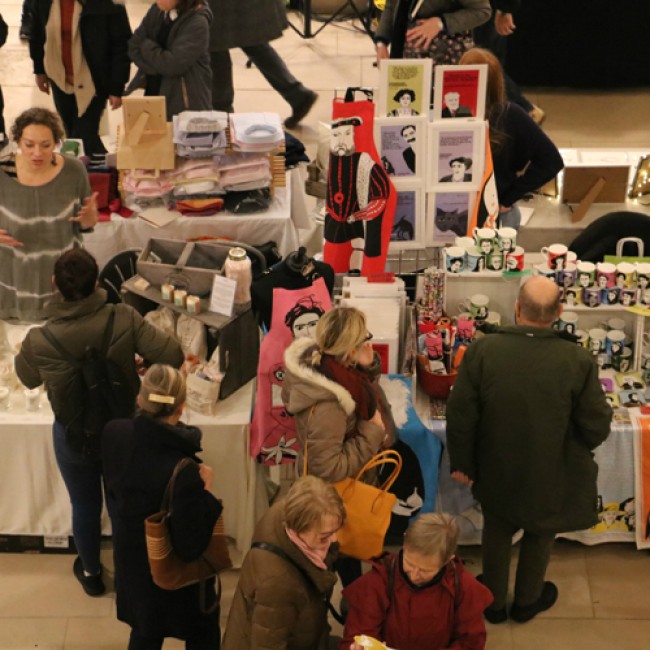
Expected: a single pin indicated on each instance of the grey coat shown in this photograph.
(243, 23)
(79, 324)
(526, 412)
(459, 15)
(184, 65)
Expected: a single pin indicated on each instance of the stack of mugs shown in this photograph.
(608, 342)
(488, 250)
(604, 283)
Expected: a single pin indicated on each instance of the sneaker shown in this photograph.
(537, 114)
(300, 110)
(25, 33)
(544, 602)
(92, 585)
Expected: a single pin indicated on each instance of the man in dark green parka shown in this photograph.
(526, 412)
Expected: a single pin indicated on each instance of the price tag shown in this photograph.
(222, 298)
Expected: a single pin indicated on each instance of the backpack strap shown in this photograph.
(272, 548)
(108, 332)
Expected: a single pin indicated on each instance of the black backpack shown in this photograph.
(98, 393)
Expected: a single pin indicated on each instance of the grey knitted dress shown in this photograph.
(39, 218)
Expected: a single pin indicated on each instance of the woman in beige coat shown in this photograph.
(342, 416)
(285, 582)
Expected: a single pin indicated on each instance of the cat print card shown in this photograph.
(401, 143)
(448, 217)
(408, 225)
(455, 156)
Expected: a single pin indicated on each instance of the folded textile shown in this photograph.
(255, 131)
(201, 121)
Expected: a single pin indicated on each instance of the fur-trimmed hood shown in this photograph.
(305, 385)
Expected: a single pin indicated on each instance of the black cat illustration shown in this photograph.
(403, 230)
(455, 221)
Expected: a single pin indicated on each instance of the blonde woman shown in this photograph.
(342, 416)
(286, 578)
(139, 457)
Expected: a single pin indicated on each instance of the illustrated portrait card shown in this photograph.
(404, 88)
(448, 215)
(456, 155)
(400, 142)
(459, 92)
(408, 225)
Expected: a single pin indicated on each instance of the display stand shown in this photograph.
(307, 19)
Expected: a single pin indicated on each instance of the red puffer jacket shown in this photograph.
(446, 615)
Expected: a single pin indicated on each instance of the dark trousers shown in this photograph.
(83, 480)
(269, 63)
(486, 36)
(211, 642)
(83, 127)
(2, 113)
(534, 556)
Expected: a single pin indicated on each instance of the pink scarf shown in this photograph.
(315, 557)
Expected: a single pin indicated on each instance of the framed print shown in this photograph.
(456, 156)
(400, 143)
(459, 92)
(408, 225)
(448, 215)
(404, 87)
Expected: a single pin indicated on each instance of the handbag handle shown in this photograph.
(386, 457)
(166, 505)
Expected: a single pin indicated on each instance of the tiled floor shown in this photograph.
(604, 598)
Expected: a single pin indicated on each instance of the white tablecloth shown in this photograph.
(276, 224)
(33, 498)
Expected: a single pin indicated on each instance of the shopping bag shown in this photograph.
(367, 509)
(619, 257)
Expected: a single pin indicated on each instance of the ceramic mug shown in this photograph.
(477, 306)
(643, 297)
(615, 342)
(591, 296)
(643, 275)
(515, 259)
(583, 338)
(485, 239)
(32, 399)
(494, 318)
(586, 274)
(567, 322)
(610, 296)
(625, 275)
(455, 259)
(474, 257)
(627, 297)
(495, 261)
(597, 339)
(573, 295)
(555, 255)
(622, 362)
(545, 270)
(506, 239)
(566, 277)
(605, 275)
(613, 324)
(464, 242)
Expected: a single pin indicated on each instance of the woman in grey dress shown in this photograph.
(45, 205)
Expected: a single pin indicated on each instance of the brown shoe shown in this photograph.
(300, 110)
(537, 114)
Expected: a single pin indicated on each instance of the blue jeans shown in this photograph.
(83, 479)
(511, 218)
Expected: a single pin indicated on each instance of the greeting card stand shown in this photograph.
(147, 139)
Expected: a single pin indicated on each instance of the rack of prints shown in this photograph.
(432, 296)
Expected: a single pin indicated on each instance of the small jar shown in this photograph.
(238, 267)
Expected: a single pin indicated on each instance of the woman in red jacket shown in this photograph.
(421, 597)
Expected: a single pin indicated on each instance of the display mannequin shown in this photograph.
(297, 271)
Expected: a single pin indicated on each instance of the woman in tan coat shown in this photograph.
(342, 416)
(285, 582)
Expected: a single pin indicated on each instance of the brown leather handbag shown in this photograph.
(167, 569)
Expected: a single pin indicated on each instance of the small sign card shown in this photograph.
(222, 298)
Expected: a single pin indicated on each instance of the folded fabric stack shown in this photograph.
(255, 132)
(200, 134)
(143, 189)
(243, 171)
(196, 188)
